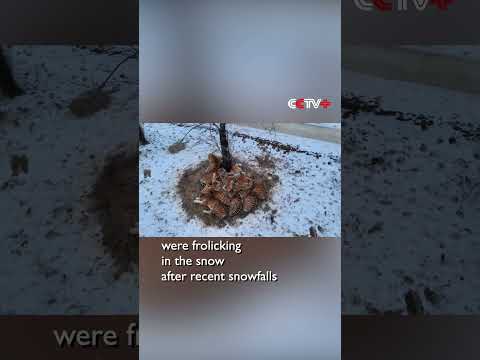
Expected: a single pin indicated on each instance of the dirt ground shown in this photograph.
(116, 197)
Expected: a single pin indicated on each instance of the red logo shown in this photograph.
(302, 104)
(442, 4)
(325, 103)
(382, 5)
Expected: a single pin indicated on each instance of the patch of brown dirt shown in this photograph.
(19, 164)
(90, 102)
(176, 148)
(265, 161)
(189, 188)
(116, 196)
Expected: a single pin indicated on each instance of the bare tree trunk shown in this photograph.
(143, 139)
(226, 156)
(8, 86)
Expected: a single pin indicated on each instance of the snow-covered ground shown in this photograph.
(51, 257)
(411, 199)
(327, 125)
(307, 195)
(471, 52)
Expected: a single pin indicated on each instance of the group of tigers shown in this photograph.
(229, 193)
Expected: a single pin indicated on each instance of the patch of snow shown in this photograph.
(327, 125)
(420, 205)
(51, 257)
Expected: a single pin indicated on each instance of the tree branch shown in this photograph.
(132, 56)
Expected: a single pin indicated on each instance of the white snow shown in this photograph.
(307, 195)
(327, 125)
(425, 197)
(51, 259)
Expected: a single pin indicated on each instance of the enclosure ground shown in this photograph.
(115, 195)
(52, 235)
(307, 193)
(410, 219)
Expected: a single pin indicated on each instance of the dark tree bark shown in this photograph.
(143, 139)
(8, 86)
(226, 156)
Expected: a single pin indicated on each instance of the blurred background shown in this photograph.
(297, 317)
(227, 61)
